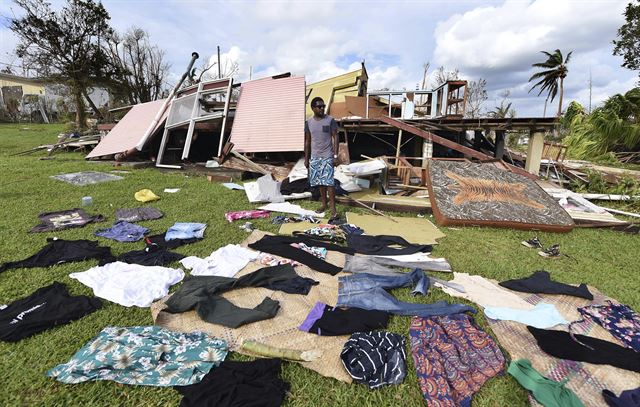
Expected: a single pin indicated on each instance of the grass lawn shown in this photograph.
(605, 259)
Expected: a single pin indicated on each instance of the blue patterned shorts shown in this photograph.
(321, 172)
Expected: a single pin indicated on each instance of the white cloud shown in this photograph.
(510, 36)
(499, 43)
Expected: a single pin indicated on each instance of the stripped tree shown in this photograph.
(66, 46)
(141, 67)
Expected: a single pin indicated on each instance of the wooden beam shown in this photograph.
(451, 144)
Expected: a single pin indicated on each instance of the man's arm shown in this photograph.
(307, 145)
(335, 140)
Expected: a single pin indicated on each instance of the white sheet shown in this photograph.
(129, 284)
(225, 262)
(287, 207)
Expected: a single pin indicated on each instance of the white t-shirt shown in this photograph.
(224, 262)
(130, 284)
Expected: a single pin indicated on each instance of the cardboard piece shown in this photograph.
(414, 230)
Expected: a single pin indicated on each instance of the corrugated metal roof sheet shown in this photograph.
(129, 131)
(270, 116)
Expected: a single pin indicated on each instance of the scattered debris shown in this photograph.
(146, 195)
(86, 178)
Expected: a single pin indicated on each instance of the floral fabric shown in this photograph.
(620, 320)
(453, 358)
(143, 355)
(251, 214)
(319, 252)
(330, 233)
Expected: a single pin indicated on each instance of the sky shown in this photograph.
(494, 40)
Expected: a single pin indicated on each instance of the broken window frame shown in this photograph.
(218, 86)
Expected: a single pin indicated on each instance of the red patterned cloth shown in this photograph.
(453, 358)
(250, 214)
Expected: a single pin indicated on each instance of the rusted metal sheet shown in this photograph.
(130, 130)
(270, 116)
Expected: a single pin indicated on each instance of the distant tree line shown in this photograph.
(77, 47)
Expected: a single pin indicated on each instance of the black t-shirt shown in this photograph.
(45, 308)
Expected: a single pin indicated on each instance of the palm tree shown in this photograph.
(555, 70)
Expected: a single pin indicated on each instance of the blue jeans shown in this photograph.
(367, 291)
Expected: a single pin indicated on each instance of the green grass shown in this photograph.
(605, 259)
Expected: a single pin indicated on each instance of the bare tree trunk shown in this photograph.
(81, 121)
(561, 95)
(544, 113)
(92, 105)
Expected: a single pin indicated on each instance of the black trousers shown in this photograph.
(560, 345)
(281, 246)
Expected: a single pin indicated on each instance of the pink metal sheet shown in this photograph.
(270, 116)
(129, 131)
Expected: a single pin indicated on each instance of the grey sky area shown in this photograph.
(497, 41)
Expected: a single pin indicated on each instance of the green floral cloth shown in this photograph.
(144, 355)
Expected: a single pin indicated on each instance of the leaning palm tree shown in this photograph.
(552, 77)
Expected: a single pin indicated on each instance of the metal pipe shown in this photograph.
(165, 105)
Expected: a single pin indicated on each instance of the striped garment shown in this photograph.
(375, 358)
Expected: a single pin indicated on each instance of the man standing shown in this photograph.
(321, 153)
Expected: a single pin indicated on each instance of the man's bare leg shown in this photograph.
(323, 198)
(332, 200)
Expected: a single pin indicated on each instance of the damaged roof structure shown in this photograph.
(226, 129)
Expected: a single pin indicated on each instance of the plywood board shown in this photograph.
(467, 194)
(414, 230)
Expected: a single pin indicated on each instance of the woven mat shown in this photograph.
(281, 331)
(585, 379)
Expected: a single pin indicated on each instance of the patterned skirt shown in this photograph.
(321, 172)
(453, 358)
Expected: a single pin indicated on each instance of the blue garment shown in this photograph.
(123, 231)
(542, 316)
(185, 230)
(321, 172)
(628, 398)
(367, 291)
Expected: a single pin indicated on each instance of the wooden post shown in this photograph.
(534, 152)
(398, 146)
(499, 151)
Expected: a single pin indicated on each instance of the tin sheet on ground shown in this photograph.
(86, 178)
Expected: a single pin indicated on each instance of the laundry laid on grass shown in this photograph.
(453, 358)
(151, 255)
(375, 358)
(129, 284)
(138, 214)
(185, 230)
(45, 308)
(123, 231)
(225, 262)
(143, 355)
(202, 293)
(72, 218)
(233, 383)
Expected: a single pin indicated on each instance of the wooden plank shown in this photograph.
(451, 144)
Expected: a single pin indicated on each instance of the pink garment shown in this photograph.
(251, 214)
(270, 260)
